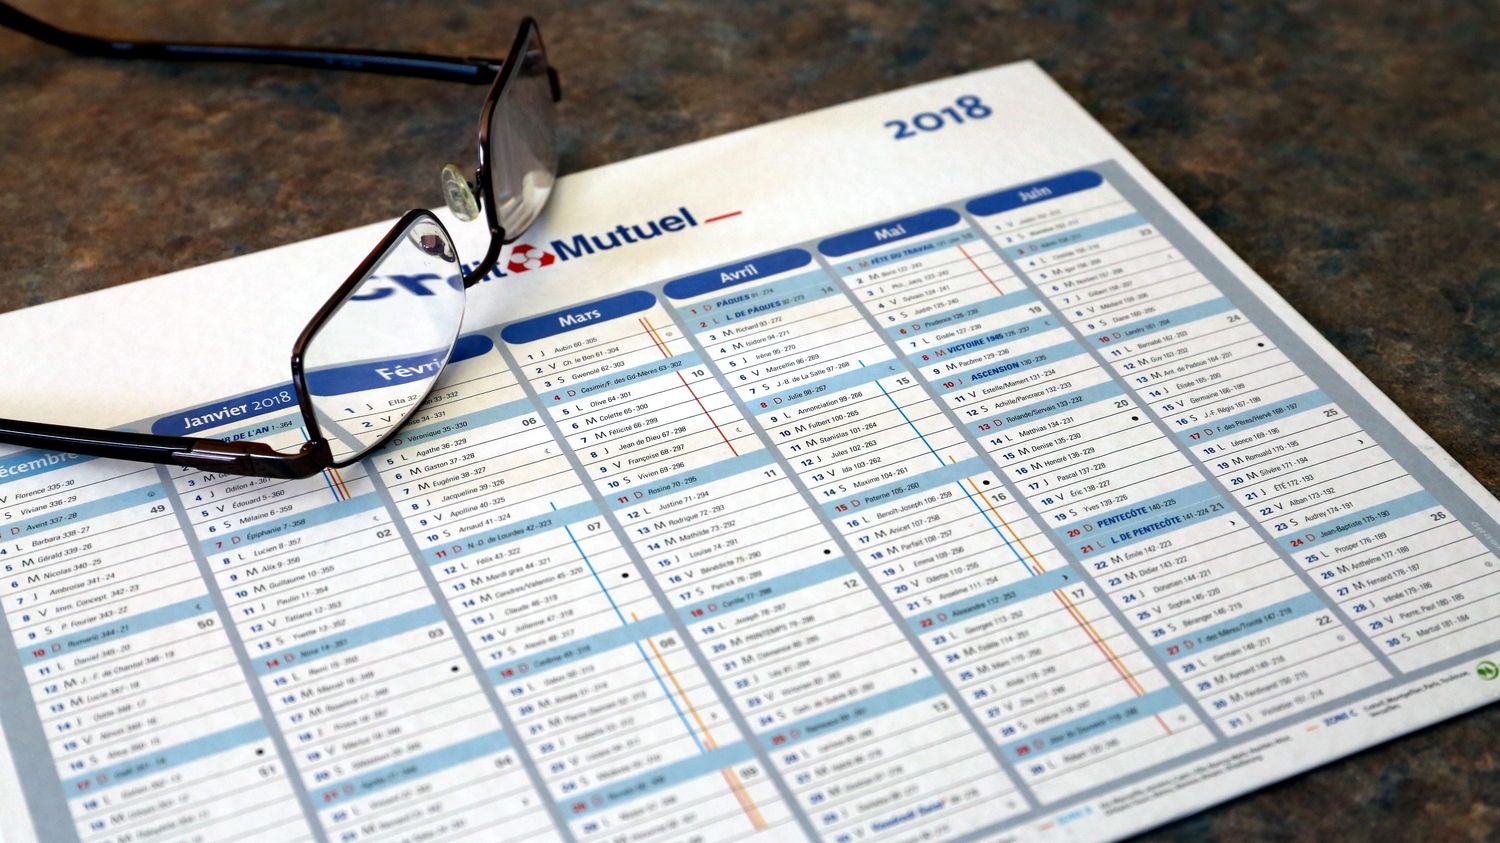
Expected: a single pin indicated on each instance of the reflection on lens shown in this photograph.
(523, 143)
(373, 361)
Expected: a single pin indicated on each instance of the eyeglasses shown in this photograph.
(363, 349)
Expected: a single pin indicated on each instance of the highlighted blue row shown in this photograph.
(1249, 623)
(676, 484)
(578, 316)
(833, 385)
(623, 378)
(1007, 367)
(1093, 724)
(888, 232)
(453, 426)
(1163, 321)
(126, 772)
(852, 714)
(287, 421)
(291, 524)
(947, 240)
(342, 642)
(1038, 191)
(746, 596)
(662, 778)
(756, 302)
(583, 648)
(108, 633)
(1092, 231)
(1148, 519)
(408, 770)
(961, 611)
(515, 531)
(973, 342)
(1343, 526)
(1265, 414)
(730, 275)
(1041, 410)
(957, 316)
(68, 516)
(910, 485)
(1010, 333)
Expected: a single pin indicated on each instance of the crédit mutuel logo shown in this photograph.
(525, 257)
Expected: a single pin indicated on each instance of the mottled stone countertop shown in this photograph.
(1349, 151)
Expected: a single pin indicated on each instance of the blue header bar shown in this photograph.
(562, 321)
(1030, 194)
(888, 232)
(276, 399)
(31, 463)
(375, 374)
(755, 269)
(471, 346)
(282, 398)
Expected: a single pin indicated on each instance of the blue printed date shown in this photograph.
(965, 109)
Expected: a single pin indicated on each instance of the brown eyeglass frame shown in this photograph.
(257, 459)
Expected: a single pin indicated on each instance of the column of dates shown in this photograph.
(1094, 705)
(1163, 537)
(544, 593)
(626, 729)
(1414, 580)
(143, 702)
(390, 733)
(738, 798)
(802, 647)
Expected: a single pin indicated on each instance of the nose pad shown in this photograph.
(459, 194)
(429, 238)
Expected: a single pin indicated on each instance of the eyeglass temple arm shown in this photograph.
(473, 70)
(488, 262)
(255, 459)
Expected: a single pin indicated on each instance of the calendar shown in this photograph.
(917, 469)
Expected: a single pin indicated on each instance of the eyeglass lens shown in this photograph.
(374, 360)
(523, 143)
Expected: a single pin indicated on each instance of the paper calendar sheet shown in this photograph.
(915, 469)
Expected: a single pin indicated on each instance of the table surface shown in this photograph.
(1347, 150)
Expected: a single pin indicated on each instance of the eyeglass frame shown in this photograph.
(257, 459)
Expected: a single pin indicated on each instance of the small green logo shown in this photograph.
(1487, 670)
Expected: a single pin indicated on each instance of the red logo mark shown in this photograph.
(524, 258)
